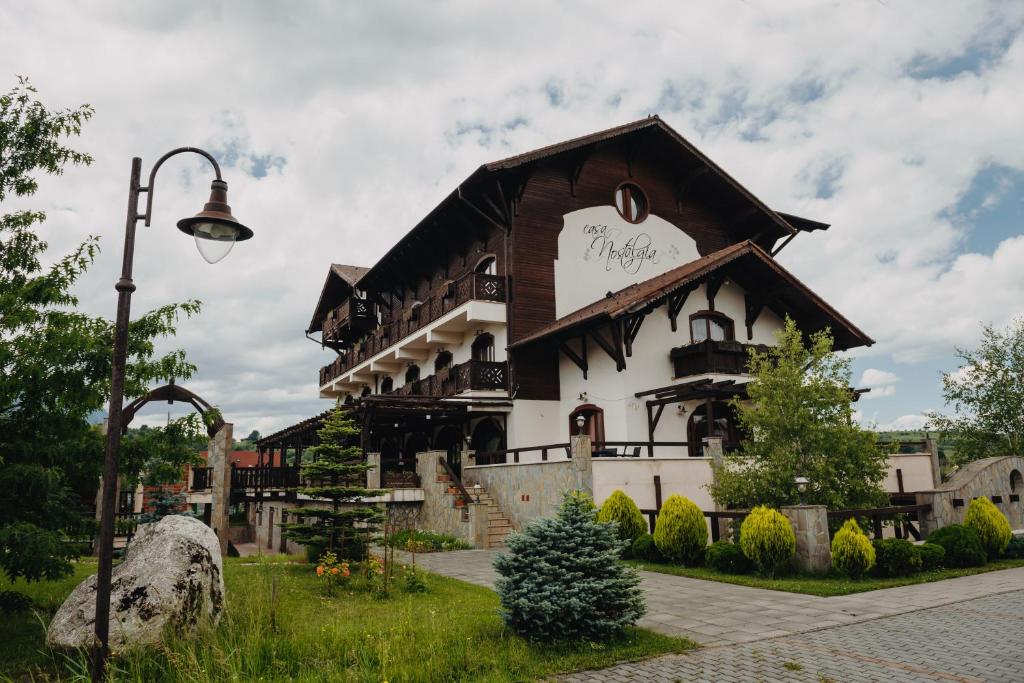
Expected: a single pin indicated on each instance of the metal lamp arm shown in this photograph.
(159, 162)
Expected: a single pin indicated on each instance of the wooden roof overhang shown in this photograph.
(489, 196)
(705, 389)
(340, 282)
(613, 322)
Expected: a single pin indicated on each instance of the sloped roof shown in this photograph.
(795, 298)
(334, 290)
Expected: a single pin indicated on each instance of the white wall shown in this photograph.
(600, 252)
(916, 469)
(536, 423)
(635, 477)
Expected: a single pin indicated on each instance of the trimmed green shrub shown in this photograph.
(962, 545)
(1015, 549)
(991, 524)
(852, 552)
(644, 548)
(426, 541)
(680, 532)
(727, 558)
(621, 509)
(933, 556)
(561, 579)
(767, 539)
(896, 557)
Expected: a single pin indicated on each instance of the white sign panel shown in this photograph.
(599, 252)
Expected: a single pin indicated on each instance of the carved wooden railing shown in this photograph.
(473, 375)
(454, 478)
(202, 478)
(725, 357)
(470, 287)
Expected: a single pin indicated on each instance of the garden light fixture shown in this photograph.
(581, 420)
(801, 487)
(215, 231)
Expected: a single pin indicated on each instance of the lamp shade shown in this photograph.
(214, 228)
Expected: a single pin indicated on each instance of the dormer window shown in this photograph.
(711, 325)
(483, 347)
(631, 202)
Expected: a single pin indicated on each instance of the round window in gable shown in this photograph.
(631, 202)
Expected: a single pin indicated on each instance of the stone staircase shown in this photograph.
(498, 525)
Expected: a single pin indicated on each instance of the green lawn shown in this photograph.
(824, 585)
(452, 632)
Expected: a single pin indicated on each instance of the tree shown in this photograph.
(158, 455)
(337, 473)
(799, 422)
(55, 362)
(987, 396)
(562, 580)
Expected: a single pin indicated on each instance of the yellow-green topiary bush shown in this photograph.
(852, 552)
(767, 539)
(991, 524)
(621, 509)
(680, 532)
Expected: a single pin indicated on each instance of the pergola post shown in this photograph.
(219, 462)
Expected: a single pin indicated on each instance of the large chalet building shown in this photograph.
(608, 285)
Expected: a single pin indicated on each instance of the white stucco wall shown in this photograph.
(599, 252)
(635, 477)
(536, 423)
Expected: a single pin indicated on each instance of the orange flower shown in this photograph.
(345, 572)
(320, 570)
(334, 570)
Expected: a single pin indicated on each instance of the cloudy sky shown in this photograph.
(341, 124)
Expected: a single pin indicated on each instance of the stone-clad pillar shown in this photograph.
(373, 474)
(582, 458)
(813, 547)
(219, 462)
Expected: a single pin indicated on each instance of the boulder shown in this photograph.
(171, 577)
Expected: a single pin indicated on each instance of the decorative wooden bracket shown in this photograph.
(753, 305)
(497, 221)
(576, 167)
(675, 303)
(580, 359)
(613, 348)
(713, 283)
(653, 417)
(630, 328)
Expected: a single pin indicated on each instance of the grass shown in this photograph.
(823, 585)
(278, 627)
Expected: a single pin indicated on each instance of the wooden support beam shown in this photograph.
(579, 360)
(496, 222)
(753, 306)
(712, 284)
(630, 329)
(675, 303)
(613, 348)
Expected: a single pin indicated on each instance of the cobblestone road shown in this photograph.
(977, 640)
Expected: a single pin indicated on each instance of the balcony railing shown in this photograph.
(470, 287)
(264, 477)
(202, 478)
(473, 375)
(353, 317)
(723, 357)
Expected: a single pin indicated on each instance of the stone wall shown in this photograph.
(813, 545)
(999, 479)
(438, 512)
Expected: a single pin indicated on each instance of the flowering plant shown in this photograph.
(332, 572)
(373, 570)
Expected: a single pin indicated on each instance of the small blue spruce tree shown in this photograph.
(562, 579)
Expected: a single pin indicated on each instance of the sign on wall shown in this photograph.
(599, 252)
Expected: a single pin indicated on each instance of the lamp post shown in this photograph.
(801, 487)
(581, 422)
(215, 231)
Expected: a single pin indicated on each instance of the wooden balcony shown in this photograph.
(354, 317)
(470, 287)
(721, 357)
(202, 478)
(473, 375)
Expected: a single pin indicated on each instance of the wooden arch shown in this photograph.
(172, 392)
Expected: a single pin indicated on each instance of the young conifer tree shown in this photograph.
(336, 474)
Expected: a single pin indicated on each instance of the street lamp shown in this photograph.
(215, 231)
(801, 487)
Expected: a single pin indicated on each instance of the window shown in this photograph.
(711, 325)
(1016, 481)
(443, 361)
(483, 347)
(631, 202)
(412, 374)
(593, 423)
(488, 265)
(387, 385)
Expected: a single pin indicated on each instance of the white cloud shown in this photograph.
(375, 111)
(902, 423)
(873, 377)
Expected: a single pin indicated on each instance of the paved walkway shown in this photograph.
(973, 641)
(715, 614)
